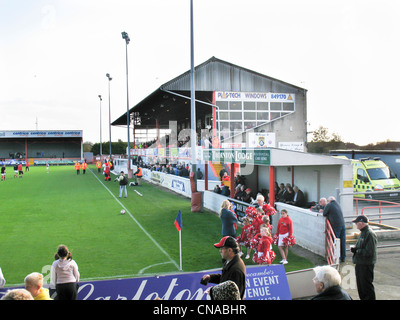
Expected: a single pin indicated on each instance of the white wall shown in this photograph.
(305, 177)
(308, 227)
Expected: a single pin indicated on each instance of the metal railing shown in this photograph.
(381, 204)
(330, 243)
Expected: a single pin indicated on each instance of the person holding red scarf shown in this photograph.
(245, 237)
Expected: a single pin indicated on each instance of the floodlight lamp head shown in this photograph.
(108, 76)
(125, 37)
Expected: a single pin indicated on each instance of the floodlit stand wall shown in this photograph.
(41, 149)
(41, 144)
(10, 147)
(54, 150)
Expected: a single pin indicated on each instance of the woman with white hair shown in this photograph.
(327, 282)
(260, 200)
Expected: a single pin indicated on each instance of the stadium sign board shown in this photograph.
(262, 283)
(242, 156)
(42, 134)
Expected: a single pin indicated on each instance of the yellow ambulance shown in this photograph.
(372, 174)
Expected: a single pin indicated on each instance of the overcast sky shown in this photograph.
(54, 56)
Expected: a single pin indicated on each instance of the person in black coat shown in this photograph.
(247, 196)
(327, 284)
(281, 192)
(234, 268)
(225, 191)
(221, 173)
(299, 200)
(183, 172)
(365, 258)
(334, 213)
(217, 189)
(288, 195)
(199, 174)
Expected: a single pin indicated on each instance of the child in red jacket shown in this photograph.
(285, 235)
(264, 254)
(257, 220)
(245, 237)
(256, 239)
(255, 229)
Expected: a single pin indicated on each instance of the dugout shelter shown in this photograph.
(39, 147)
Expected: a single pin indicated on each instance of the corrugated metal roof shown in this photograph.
(212, 75)
(218, 75)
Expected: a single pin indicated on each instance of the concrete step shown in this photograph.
(382, 231)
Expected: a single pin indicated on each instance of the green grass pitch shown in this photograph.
(42, 210)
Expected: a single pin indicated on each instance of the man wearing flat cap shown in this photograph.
(364, 259)
(234, 268)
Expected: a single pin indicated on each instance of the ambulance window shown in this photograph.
(361, 174)
(379, 173)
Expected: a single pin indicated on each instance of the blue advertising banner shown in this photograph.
(262, 283)
(267, 283)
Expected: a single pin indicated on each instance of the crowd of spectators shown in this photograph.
(283, 193)
(180, 169)
(183, 141)
(291, 195)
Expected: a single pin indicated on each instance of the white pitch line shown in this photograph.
(153, 265)
(137, 222)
